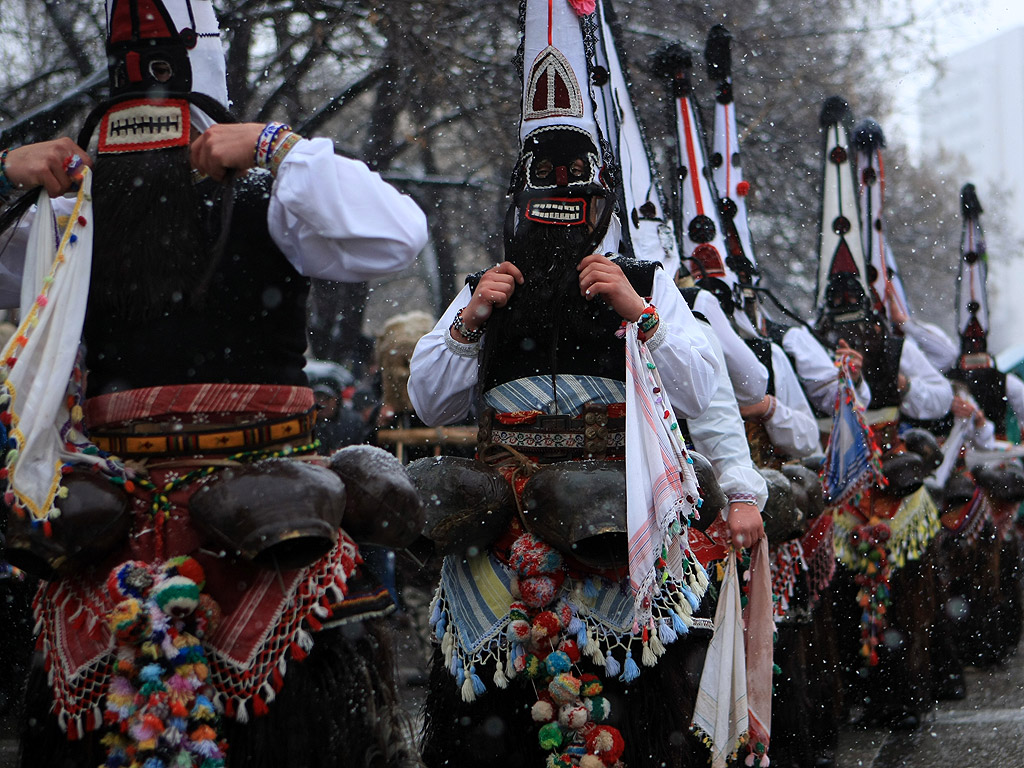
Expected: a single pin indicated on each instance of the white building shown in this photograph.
(972, 121)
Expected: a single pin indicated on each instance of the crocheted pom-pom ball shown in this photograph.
(605, 742)
(563, 760)
(550, 736)
(534, 667)
(599, 708)
(591, 761)
(208, 616)
(573, 716)
(557, 662)
(570, 649)
(538, 591)
(590, 685)
(564, 688)
(518, 631)
(131, 579)
(129, 621)
(546, 626)
(177, 596)
(530, 556)
(542, 712)
(186, 566)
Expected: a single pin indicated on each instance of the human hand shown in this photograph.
(495, 288)
(745, 525)
(854, 357)
(225, 147)
(44, 165)
(761, 411)
(965, 409)
(600, 276)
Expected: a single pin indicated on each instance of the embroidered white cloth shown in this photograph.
(55, 288)
(720, 714)
(661, 486)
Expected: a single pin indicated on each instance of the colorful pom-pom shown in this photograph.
(550, 736)
(542, 712)
(564, 688)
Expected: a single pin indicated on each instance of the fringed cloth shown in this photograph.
(268, 617)
(787, 567)
(471, 612)
(967, 521)
(912, 521)
(852, 457)
(819, 548)
(875, 538)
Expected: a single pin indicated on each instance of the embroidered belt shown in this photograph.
(215, 441)
(595, 433)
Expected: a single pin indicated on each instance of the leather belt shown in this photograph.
(211, 441)
(595, 433)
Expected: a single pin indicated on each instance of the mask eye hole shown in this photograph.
(160, 70)
(543, 169)
(578, 167)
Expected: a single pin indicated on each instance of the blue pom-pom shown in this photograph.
(631, 671)
(439, 628)
(581, 637)
(435, 613)
(460, 675)
(611, 666)
(575, 625)
(150, 673)
(590, 589)
(558, 662)
(665, 632)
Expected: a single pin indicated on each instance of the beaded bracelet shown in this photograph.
(648, 319)
(281, 150)
(265, 142)
(470, 336)
(6, 187)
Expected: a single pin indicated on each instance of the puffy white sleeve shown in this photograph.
(817, 370)
(792, 428)
(749, 377)
(930, 395)
(941, 351)
(686, 359)
(443, 372)
(1015, 396)
(335, 219)
(719, 435)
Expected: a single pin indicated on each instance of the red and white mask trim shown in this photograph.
(141, 125)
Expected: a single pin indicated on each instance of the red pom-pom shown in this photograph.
(743, 188)
(605, 742)
(538, 591)
(5, 418)
(570, 649)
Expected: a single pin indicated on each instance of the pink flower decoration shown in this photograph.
(583, 7)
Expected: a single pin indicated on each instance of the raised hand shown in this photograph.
(44, 165)
(600, 276)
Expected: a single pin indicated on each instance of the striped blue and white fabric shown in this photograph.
(538, 393)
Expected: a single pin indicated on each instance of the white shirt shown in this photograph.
(332, 217)
(930, 395)
(941, 351)
(1015, 396)
(443, 372)
(718, 434)
(817, 370)
(792, 429)
(749, 377)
